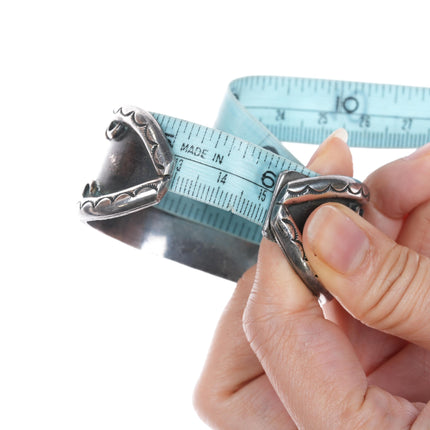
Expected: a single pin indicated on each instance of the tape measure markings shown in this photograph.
(228, 172)
(198, 212)
(352, 114)
(225, 180)
(334, 100)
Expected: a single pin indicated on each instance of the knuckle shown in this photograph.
(199, 400)
(261, 326)
(208, 405)
(396, 291)
(259, 317)
(255, 311)
(253, 319)
(381, 410)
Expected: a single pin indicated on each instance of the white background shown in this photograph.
(95, 334)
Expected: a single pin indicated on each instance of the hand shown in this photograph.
(300, 369)
(234, 391)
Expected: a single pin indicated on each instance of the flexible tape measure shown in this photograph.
(225, 179)
(214, 188)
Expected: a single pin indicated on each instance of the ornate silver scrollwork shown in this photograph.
(136, 172)
(294, 198)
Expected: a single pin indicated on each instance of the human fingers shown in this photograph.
(333, 156)
(381, 283)
(372, 347)
(223, 397)
(230, 362)
(232, 378)
(406, 374)
(233, 390)
(309, 360)
(389, 362)
(415, 232)
(396, 189)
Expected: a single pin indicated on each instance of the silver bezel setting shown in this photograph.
(295, 189)
(142, 195)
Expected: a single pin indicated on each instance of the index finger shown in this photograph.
(309, 360)
(396, 189)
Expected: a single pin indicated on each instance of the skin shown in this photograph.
(279, 360)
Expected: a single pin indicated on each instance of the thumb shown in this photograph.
(383, 284)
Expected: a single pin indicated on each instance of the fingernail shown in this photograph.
(420, 152)
(336, 239)
(341, 134)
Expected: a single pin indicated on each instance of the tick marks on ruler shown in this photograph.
(231, 147)
(246, 150)
(204, 135)
(258, 158)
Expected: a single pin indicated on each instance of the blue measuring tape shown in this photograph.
(238, 178)
(224, 177)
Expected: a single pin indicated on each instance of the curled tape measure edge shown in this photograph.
(223, 178)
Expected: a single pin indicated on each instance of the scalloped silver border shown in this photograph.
(143, 195)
